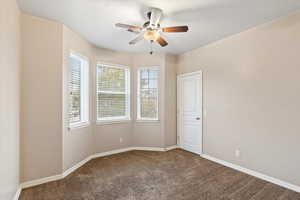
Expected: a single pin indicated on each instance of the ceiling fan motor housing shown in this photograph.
(147, 25)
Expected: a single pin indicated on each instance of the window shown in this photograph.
(78, 91)
(147, 94)
(113, 93)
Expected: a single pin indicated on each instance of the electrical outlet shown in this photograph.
(237, 153)
(121, 140)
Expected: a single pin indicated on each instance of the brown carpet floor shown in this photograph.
(172, 175)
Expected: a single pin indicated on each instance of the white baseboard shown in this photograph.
(18, 192)
(81, 163)
(254, 173)
(171, 148)
(75, 167)
(149, 148)
(41, 181)
(99, 155)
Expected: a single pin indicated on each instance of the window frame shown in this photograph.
(84, 91)
(138, 97)
(119, 119)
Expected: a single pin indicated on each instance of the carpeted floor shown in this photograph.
(172, 175)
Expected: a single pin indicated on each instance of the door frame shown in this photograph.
(179, 133)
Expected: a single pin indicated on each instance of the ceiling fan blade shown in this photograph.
(175, 29)
(155, 16)
(130, 28)
(162, 42)
(137, 39)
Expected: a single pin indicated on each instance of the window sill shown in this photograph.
(147, 121)
(79, 125)
(109, 122)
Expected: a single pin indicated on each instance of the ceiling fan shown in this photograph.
(151, 30)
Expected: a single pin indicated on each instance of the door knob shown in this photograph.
(198, 118)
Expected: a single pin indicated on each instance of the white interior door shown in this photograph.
(189, 112)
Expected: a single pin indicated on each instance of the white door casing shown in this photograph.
(189, 111)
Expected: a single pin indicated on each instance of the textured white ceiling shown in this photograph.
(208, 20)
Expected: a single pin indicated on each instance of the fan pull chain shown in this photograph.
(151, 49)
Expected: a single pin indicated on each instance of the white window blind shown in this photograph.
(78, 91)
(147, 98)
(113, 93)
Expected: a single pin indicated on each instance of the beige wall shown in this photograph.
(9, 98)
(41, 105)
(251, 96)
(170, 101)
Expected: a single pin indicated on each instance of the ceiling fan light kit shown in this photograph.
(151, 35)
(151, 30)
